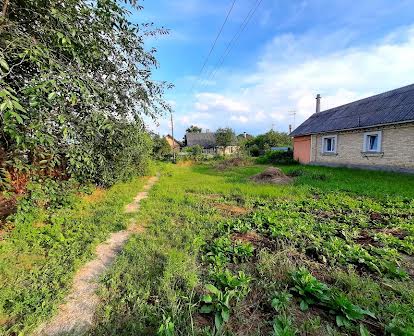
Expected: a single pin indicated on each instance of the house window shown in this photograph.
(372, 142)
(329, 144)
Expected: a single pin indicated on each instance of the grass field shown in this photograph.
(330, 254)
(50, 239)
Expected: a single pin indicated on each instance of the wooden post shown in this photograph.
(173, 139)
(5, 6)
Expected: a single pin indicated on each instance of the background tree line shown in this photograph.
(259, 145)
(75, 83)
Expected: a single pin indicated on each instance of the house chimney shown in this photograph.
(290, 128)
(318, 103)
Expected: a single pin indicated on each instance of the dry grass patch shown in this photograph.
(232, 162)
(97, 195)
(186, 163)
(233, 210)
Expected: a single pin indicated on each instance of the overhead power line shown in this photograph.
(235, 38)
(214, 44)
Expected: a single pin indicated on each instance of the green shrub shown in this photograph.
(75, 86)
(277, 157)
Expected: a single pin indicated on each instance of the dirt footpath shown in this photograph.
(75, 315)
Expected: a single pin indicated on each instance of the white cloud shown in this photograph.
(242, 119)
(290, 73)
(211, 101)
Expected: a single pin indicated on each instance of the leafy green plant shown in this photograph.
(313, 291)
(226, 281)
(281, 300)
(167, 327)
(218, 303)
(346, 312)
(242, 251)
(308, 288)
(218, 252)
(222, 250)
(283, 326)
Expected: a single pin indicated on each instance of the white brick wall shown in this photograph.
(397, 148)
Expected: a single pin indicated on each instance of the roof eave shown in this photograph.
(352, 129)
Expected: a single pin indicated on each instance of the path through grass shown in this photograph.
(38, 258)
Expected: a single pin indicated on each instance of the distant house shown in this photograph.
(207, 141)
(174, 144)
(375, 133)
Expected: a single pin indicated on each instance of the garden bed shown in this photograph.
(316, 257)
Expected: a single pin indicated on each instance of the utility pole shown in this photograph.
(293, 113)
(172, 135)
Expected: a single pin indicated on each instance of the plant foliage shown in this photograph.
(75, 82)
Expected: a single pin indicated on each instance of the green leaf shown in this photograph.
(213, 289)
(17, 106)
(342, 321)
(367, 312)
(18, 118)
(218, 321)
(51, 95)
(207, 299)
(303, 305)
(4, 64)
(206, 309)
(363, 331)
(225, 314)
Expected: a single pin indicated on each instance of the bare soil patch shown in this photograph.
(271, 175)
(408, 263)
(365, 238)
(233, 210)
(7, 206)
(253, 238)
(76, 315)
(212, 196)
(396, 232)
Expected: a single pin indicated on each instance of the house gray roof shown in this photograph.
(396, 106)
(205, 140)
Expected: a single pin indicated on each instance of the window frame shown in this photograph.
(335, 137)
(366, 142)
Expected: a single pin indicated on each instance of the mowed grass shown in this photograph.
(329, 254)
(50, 240)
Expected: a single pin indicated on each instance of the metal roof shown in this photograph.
(392, 107)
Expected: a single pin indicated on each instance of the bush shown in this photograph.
(75, 86)
(277, 157)
(194, 153)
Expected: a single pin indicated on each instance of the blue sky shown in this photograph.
(289, 52)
